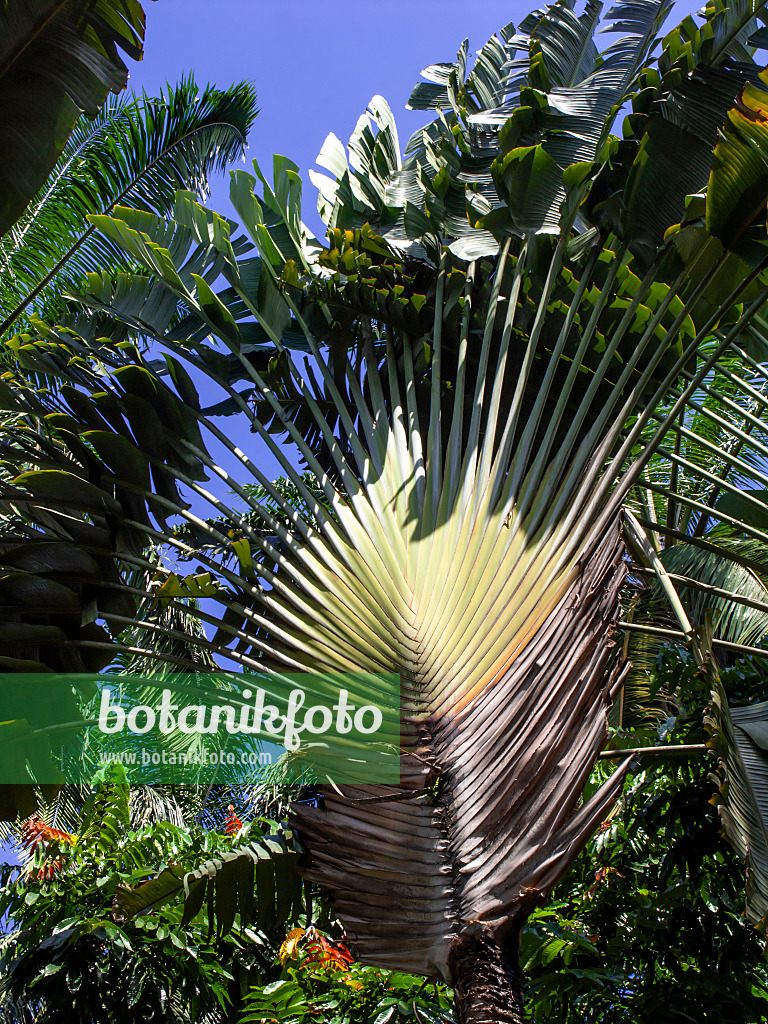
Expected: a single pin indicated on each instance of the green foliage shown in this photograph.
(58, 60)
(137, 151)
(224, 885)
(81, 951)
(313, 990)
(648, 924)
(109, 925)
(503, 318)
(105, 817)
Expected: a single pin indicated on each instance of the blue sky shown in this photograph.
(315, 64)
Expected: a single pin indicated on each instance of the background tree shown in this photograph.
(139, 150)
(136, 151)
(77, 952)
(101, 929)
(648, 924)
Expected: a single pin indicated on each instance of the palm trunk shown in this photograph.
(488, 981)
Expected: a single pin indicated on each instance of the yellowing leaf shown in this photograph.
(201, 585)
(243, 551)
(352, 982)
(289, 948)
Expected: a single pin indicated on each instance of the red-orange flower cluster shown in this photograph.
(34, 832)
(325, 955)
(232, 823)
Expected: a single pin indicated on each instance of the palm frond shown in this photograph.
(256, 882)
(740, 737)
(472, 428)
(137, 151)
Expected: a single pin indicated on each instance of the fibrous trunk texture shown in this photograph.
(488, 982)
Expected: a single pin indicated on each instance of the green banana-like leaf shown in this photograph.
(729, 30)
(680, 115)
(58, 59)
(564, 52)
(554, 49)
(738, 185)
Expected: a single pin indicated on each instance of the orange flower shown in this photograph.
(601, 877)
(327, 956)
(35, 831)
(232, 823)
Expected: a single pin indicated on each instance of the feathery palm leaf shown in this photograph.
(740, 737)
(138, 152)
(256, 881)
